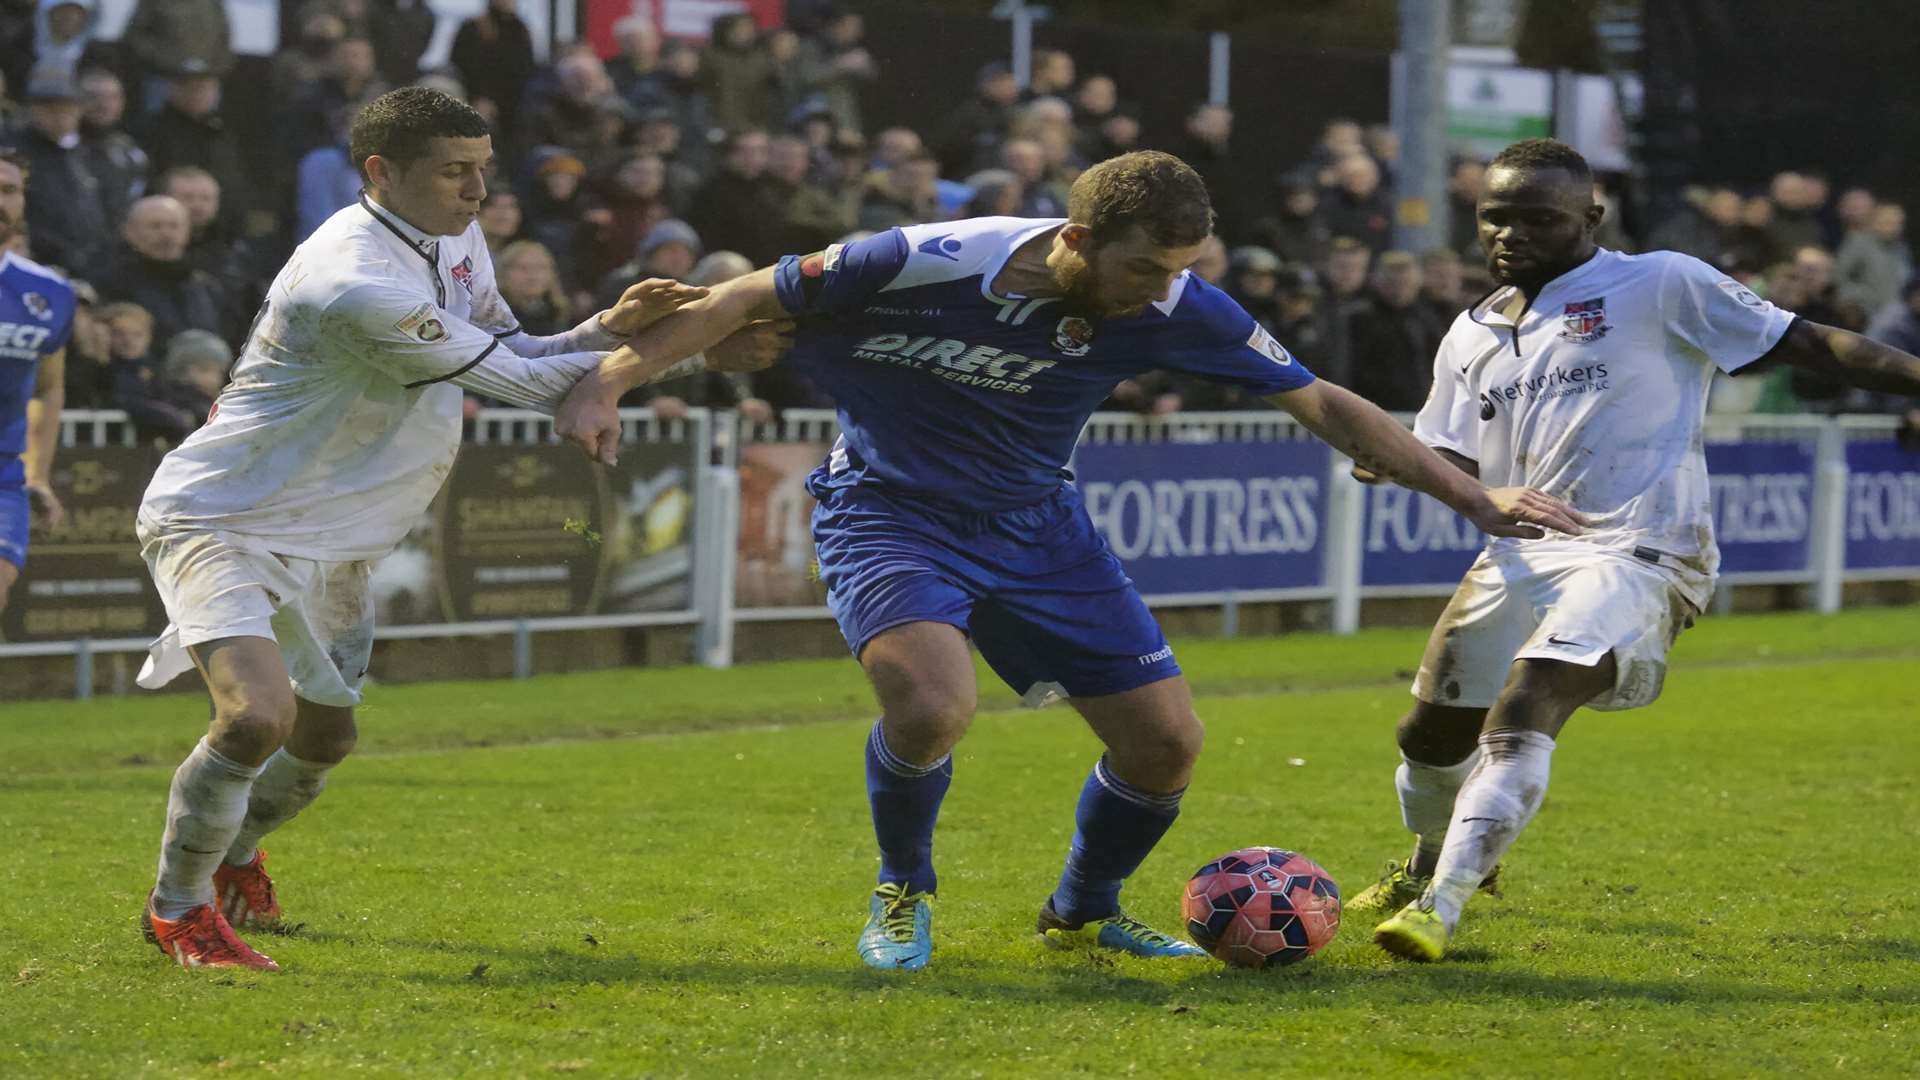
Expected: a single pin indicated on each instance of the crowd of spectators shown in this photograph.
(701, 161)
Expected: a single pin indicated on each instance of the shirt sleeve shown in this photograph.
(1719, 317)
(1450, 420)
(842, 277)
(413, 340)
(1214, 338)
(63, 324)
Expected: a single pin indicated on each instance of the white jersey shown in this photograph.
(343, 414)
(1596, 392)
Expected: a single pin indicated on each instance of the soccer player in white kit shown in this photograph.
(1583, 375)
(338, 426)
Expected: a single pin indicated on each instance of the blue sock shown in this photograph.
(905, 800)
(1117, 825)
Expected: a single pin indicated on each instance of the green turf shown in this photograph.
(1720, 885)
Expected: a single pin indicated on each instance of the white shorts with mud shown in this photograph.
(220, 585)
(1575, 606)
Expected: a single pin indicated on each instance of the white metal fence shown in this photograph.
(714, 615)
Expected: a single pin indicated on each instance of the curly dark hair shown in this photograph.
(397, 125)
(1156, 191)
(1543, 154)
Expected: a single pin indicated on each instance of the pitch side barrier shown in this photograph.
(705, 523)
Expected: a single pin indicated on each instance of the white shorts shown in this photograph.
(219, 585)
(1575, 606)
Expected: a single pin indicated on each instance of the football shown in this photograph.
(1261, 907)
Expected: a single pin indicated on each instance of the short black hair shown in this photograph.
(1543, 154)
(397, 124)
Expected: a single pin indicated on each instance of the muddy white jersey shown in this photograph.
(1596, 391)
(343, 413)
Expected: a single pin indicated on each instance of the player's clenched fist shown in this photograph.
(591, 422)
(646, 303)
(752, 348)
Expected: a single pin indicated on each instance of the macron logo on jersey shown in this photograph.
(945, 247)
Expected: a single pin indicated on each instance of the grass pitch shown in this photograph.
(657, 873)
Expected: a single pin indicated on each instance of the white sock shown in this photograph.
(204, 810)
(1426, 800)
(286, 786)
(1494, 804)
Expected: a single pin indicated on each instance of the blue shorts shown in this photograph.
(1036, 588)
(15, 517)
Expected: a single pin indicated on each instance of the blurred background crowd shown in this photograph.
(700, 160)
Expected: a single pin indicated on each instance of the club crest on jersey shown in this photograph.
(1586, 320)
(1074, 336)
(463, 273)
(431, 330)
(37, 306)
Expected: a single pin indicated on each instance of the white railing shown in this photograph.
(713, 614)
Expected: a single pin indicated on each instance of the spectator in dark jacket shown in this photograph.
(1393, 337)
(739, 76)
(190, 130)
(740, 208)
(677, 93)
(556, 207)
(494, 55)
(1357, 206)
(969, 139)
(66, 208)
(153, 271)
(168, 36)
(1294, 231)
(839, 67)
(113, 157)
(638, 59)
(57, 40)
(400, 31)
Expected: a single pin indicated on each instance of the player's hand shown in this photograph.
(646, 303)
(1527, 513)
(754, 347)
(591, 422)
(668, 407)
(47, 511)
(755, 410)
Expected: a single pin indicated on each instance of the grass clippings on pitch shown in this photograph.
(662, 873)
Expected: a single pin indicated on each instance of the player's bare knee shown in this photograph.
(1439, 735)
(250, 731)
(322, 734)
(1159, 757)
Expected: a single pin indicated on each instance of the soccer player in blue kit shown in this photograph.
(36, 317)
(965, 357)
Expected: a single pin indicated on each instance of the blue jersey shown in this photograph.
(36, 315)
(953, 394)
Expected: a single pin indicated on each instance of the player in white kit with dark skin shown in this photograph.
(339, 425)
(1584, 375)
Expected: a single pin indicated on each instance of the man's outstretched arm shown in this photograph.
(589, 416)
(1843, 354)
(1379, 445)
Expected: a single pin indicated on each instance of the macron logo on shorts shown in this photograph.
(1165, 652)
